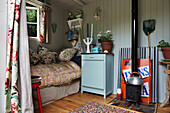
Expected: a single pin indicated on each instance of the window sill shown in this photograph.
(33, 38)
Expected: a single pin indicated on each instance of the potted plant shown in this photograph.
(105, 38)
(165, 47)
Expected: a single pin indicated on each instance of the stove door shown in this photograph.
(133, 93)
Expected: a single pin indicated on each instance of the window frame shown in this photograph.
(38, 22)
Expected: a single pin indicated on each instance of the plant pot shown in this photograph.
(107, 46)
(166, 52)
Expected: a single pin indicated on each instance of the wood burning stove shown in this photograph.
(133, 86)
(133, 94)
(133, 89)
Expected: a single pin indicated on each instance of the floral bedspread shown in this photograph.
(56, 74)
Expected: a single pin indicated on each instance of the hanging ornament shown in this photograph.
(78, 13)
(97, 14)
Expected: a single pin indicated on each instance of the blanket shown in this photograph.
(56, 74)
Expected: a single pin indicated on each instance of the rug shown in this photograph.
(94, 107)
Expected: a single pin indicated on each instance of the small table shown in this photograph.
(36, 82)
(166, 101)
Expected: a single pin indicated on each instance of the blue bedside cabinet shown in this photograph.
(97, 73)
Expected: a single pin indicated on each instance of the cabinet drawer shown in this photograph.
(93, 57)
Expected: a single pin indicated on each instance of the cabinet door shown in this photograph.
(92, 74)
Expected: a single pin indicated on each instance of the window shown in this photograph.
(32, 13)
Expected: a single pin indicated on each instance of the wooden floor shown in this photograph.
(74, 101)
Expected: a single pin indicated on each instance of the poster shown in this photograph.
(143, 69)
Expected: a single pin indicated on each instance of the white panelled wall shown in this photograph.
(116, 16)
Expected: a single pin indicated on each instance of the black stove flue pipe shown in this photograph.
(134, 35)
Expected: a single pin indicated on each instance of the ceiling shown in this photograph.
(68, 3)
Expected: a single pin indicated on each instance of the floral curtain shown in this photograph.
(11, 82)
(44, 24)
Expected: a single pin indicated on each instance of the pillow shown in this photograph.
(77, 60)
(42, 51)
(66, 54)
(47, 57)
(34, 57)
(38, 48)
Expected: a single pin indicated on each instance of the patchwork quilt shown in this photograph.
(56, 74)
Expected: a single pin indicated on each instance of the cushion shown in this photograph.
(66, 54)
(77, 60)
(47, 57)
(42, 51)
(34, 57)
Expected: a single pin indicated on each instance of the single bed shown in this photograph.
(57, 80)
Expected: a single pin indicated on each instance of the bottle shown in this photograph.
(119, 94)
(100, 49)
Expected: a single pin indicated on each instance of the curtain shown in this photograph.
(11, 81)
(44, 24)
(18, 79)
(24, 64)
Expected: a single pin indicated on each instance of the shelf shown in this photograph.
(78, 20)
(75, 20)
(37, 3)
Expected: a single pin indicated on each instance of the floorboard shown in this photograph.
(74, 101)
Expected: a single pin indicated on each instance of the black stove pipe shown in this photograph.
(134, 35)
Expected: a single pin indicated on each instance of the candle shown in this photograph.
(87, 30)
(91, 30)
(83, 32)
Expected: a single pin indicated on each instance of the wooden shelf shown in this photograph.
(166, 101)
(78, 20)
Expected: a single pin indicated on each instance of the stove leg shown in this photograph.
(125, 102)
(137, 104)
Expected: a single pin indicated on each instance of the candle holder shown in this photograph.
(89, 41)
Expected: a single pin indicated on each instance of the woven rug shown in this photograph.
(94, 107)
